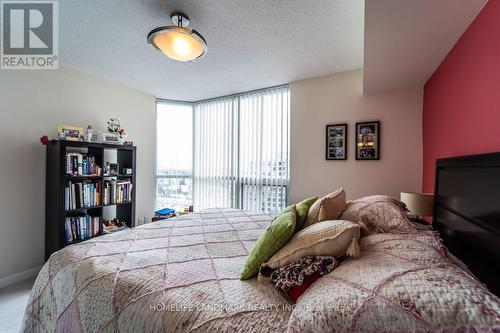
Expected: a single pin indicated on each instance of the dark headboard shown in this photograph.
(467, 213)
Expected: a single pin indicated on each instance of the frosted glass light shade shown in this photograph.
(178, 43)
(418, 203)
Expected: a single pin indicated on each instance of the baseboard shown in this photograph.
(18, 277)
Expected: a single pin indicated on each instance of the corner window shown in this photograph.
(226, 152)
(174, 155)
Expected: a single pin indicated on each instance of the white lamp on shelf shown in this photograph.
(419, 204)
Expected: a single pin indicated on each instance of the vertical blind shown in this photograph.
(241, 151)
(215, 167)
(264, 150)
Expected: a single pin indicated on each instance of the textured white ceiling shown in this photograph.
(406, 40)
(251, 43)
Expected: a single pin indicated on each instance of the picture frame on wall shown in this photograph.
(367, 138)
(336, 142)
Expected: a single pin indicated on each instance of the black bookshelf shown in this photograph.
(57, 180)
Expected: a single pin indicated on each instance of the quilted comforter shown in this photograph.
(182, 275)
(401, 283)
(178, 275)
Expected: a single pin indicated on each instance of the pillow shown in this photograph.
(329, 207)
(302, 210)
(326, 238)
(294, 275)
(378, 214)
(332, 205)
(270, 241)
(295, 292)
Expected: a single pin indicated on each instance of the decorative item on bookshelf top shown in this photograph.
(111, 138)
(114, 125)
(89, 134)
(44, 140)
(115, 134)
(123, 134)
(70, 133)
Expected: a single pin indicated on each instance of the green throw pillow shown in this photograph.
(302, 209)
(270, 241)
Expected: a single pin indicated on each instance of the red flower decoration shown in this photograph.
(44, 140)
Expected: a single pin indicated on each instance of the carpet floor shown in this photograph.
(13, 301)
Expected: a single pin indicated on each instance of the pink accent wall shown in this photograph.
(461, 113)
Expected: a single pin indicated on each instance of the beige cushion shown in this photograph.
(332, 206)
(326, 238)
(378, 214)
(329, 207)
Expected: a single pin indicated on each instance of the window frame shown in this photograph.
(239, 184)
(157, 176)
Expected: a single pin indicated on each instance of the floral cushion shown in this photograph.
(378, 213)
(295, 274)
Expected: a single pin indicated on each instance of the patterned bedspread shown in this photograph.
(182, 275)
(400, 283)
(178, 275)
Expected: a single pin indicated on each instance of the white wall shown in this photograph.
(32, 103)
(338, 98)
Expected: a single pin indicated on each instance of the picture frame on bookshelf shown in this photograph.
(69, 133)
(111, 138)
(112, 169)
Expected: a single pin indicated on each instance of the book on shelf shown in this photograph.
(81, 227)
(78, 164)
(84, 194)
(117, 191)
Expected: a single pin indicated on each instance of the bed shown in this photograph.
(182, 275)
(176, 275)
(467, 212)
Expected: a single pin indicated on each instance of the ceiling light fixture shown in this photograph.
(176, 41)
